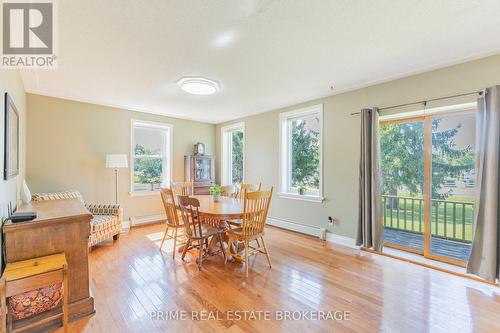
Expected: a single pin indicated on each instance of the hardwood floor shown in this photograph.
(131, 279)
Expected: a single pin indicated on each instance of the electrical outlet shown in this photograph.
(330, 220)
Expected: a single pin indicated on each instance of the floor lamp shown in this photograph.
(116, 161)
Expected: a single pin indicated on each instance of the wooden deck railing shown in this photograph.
(449, 219)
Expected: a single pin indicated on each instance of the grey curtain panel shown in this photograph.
(370, 228)
(485, 255)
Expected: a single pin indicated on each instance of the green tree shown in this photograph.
(148, 170)
(447, 159)
(139, 150)
(237, 157)
(402, 157)
(305, 155)
(402, 150)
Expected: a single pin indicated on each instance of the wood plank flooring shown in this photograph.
(131, 279)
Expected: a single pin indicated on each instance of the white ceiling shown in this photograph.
(265, 54)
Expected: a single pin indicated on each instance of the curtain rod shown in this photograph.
(426, 101)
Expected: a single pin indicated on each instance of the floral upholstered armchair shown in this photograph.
(107, 219)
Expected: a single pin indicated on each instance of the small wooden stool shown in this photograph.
(27, 275)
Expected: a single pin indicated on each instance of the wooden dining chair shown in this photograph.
(228, 191)
(173, 222)
(240, 194)
(247, 187)
(182, 188)
(255, 209)
(197, 232)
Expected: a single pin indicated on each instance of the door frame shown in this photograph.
(427, 122)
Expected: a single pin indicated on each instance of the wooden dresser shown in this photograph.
(61, 226)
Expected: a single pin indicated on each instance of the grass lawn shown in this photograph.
(411, 218)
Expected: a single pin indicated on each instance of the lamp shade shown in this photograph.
(116, 161)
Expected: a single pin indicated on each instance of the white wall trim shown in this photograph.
(310, 230)
(297, 227)
(167, 159)
(145, 193)
(125, 225)
(284, 145)
(226, 147)
(341, 240)
(148, 219)
(309, 198)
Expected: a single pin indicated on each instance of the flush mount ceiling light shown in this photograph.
(198, 85)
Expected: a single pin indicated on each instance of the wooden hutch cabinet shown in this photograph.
(200, 169)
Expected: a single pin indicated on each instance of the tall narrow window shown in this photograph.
(151, 150)
(233, 154)
(301, 153)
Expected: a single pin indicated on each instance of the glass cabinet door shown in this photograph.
(203, 169)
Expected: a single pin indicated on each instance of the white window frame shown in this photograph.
(226, 149)
(167, 157)
(285, 162)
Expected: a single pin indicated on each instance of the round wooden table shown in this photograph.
(225, 209)
(217, 213)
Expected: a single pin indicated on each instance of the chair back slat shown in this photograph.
(243, 187)
(167, 198)
(191, 216)
(255, 210)
(182, 188)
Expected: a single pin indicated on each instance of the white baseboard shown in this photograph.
(341, 240)
(125, 225)
(294, 226)
(321, 233)
(142, 220)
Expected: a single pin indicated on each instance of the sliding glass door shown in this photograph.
(402, 151)
(452, 186)
(428, 169)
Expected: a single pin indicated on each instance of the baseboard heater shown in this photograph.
(293, 226)
(321, 233)
(149, 219)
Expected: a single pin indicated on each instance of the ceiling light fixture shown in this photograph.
(198, 85)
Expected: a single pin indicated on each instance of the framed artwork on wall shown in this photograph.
(11, 139)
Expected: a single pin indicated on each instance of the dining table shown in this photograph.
(217, 213)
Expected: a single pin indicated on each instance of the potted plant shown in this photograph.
(215, 191)
(302, 189)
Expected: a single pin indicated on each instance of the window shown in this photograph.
(301, 154)
(233, 154)
(151, 152)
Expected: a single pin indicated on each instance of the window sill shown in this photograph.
(144, 193)
(304, 197)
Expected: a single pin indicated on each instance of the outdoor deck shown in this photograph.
(439, 246)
